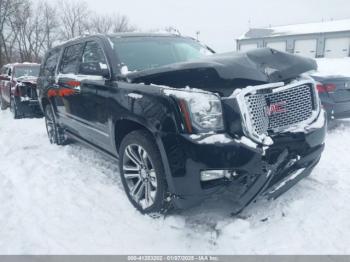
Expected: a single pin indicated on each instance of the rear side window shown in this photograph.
(70, 59)
(51, 63)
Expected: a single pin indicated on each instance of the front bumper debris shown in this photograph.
(268, 171)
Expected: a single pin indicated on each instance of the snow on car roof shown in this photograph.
(21, 64)
(24, 64)
(299, 29)
(121, 35)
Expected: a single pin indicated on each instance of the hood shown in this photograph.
(27, 79)
(263, 65)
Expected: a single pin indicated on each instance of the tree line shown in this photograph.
(28, 29)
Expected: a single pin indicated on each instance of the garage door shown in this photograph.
(305, 47)
(337, 47)
(281, 46)
(247, 47)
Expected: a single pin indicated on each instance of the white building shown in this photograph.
(325, 39)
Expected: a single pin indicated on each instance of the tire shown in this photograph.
(13, 108)
(140, 175)
(54, 131)
(2, 103)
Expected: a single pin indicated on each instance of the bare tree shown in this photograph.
(100, 24)
(29, 27)
(50, 23)
(8, 9)
(109, 24)
(73, 19)
(122, 24)
(28, 30)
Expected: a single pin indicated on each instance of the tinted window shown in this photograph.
(140, 53)
(93, 54)
(70, 59)
(51, 63)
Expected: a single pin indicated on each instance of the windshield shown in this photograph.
(140, 53)
(21, 71)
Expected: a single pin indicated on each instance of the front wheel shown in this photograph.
(54, 131)
(142, 172)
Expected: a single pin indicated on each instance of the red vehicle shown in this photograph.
(18, 89)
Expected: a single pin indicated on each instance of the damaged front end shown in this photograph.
(265, 134)
(262, 149)
(25, 98)
(286, 121)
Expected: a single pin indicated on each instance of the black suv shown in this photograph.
(184, 122)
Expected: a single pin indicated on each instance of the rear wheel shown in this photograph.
(54, 131)
(13, 108)
(142, 172)
(2, 103)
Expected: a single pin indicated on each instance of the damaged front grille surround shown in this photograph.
(276, 107)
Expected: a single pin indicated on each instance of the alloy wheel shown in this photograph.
(140, 175)
(50, 126)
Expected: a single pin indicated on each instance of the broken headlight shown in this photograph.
(200, 111)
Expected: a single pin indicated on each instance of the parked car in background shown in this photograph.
(18, 89)
(185, 123)
(334, 92)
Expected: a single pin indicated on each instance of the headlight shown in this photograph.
(201, 111)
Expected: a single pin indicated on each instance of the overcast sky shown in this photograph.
(221, 21)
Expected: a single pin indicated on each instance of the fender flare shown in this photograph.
(159, 144)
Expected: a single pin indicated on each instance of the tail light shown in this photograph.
(325, 88)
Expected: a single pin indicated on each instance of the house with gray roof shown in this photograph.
(325, 39)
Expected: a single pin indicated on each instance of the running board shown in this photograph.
(88, 144)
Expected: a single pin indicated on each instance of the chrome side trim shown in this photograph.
(81, 123)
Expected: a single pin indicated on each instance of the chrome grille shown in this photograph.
(257, 109)
(275, 111)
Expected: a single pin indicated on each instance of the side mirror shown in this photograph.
(93, 68)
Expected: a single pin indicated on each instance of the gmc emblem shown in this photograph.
(276, 108)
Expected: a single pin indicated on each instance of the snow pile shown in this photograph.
(333, 67)
(69, 200)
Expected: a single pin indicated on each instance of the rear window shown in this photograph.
(51, 63)
(21, 71)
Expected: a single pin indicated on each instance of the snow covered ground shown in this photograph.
(69, 200)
